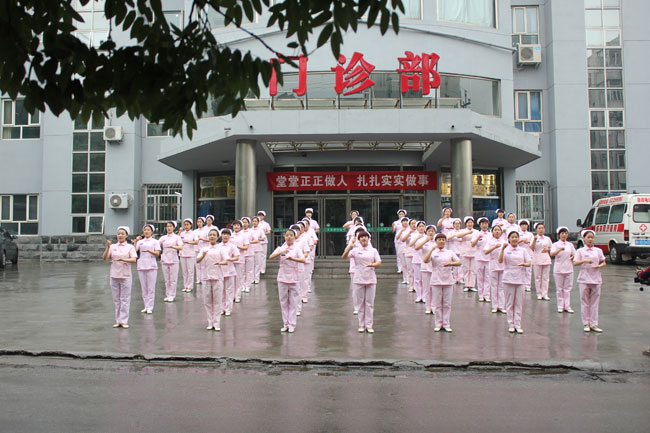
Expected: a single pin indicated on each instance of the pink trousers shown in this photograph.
(496, 290)
(409, 272)
(121, 289)
(442, 304)
(563, 286)
(589, 300)
(170, 274)
(468, 272)
(306, 280)
(249, 269)
(542, 277)
(289, 302)
(482, 279)
(426, 289)
(265, 251)
(187, 265)
(212, 290)
(529, 277)
(398, 257)
(239, 279)
(199, 271)
(417, 280)
(227, 293)
(366, 294)
(514, 303)
(148, 285)
(402, 261)
(257, 265)
(355, 295)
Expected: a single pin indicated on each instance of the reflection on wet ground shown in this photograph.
(68, 307)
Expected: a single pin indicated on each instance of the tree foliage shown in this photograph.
(165, 73)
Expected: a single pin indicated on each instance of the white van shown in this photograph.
(622, 226)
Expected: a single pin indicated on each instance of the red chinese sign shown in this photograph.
(352, 180)
(416, 73)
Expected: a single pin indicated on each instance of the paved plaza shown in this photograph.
(67, 308)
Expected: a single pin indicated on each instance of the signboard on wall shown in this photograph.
(352, 180)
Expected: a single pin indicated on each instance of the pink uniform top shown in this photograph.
(563, 263)
(121, 250)
(441, 275)
(228, 251)
(588, 274)
(426, 267)
(495, 266)
(248, 234)
(512, 257)
(351, 231)
(499, 221)
(483, 237)
(189, 250)
(540, 258)
(363, 256)
(213, 255)
(466, 249)
(239, 240)
(314, 224)
(314, 237)
(202, 233)
(147, 261)
(256, 234)
(417, 254)
(308, 242)
(406, 248)
(454, 244)
(507, 227)
(170, 255)
(528, 237)
(446, 225)
(289, 271)
(265, 227)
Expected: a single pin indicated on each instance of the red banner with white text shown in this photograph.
(352, 180)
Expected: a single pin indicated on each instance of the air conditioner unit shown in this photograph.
(113, 133)
(117, 200)
(529, 54)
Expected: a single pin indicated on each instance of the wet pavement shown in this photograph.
(68, 308)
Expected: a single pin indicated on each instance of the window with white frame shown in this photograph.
(528, 110)
(93, 30)
(162, 204)
(174, 17)
(156, 130)
(17, 123)
(19, 213)
(88, 177)
(532, 196)
(525, 25)
(476, 12)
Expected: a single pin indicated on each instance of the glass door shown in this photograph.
(385, 214)
(331, 214)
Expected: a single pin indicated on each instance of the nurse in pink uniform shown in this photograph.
(290, 256)
(170, 244)
(541, 246)
(468, 268)
(482, 261)
(202, 241)
(525, 239)
(213, 261)
(249, 255)
(417, 260)
(446, 223)
(266, 228)
(454, 243)
(395, 228)
(563, 252)
(353, 215)
(188, 254)
(241, 242)
(499, 220)
(510, 224)
(122, 254)
(422, 246)
(495, 269)
(408, 253)
(309, 212)
(590, 259)
(366, 259)
(257, 236)
(515, 260)
(149, 249)
(442, 282)
(311, 257)
(399, 247)
(230, 254)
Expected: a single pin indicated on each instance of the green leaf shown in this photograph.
(325, 35)
(395, 21)
(385, 21)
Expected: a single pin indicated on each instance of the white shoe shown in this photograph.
(586, 328)
(427, 312)
(165, 299)
(473, 289)
(355, 312)
(227, 313)
(370, 331)
(308, 290)
(284, 329)
(209, 328)
(528, 289)
(292, 330)
(511, 330)
(447, 329)
(596, 329)
(488, 300)
(546, 298)
(144, 310)
(170, 299)
(217, 329)
(117, 325)
(559, 310)
(125, 326)
(237, 300)
(436, 329)
(305, 300)
(569, 310)
(494, 310)
(481, 299)
(539, 298)
(519, 331)
(361, 329)
(149, 312)
(299, 313)
(466, 289)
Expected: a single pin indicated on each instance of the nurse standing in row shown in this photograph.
(422, 246)
(366, 259)
(290, 256)
(266, 228)
(468, 268)
(122, 254)
(445, 224)
(188, 254)
(241, 242)
(495, 270)
(590, 259)
(417, 260)
(515, 260)
(257, 237)
(395, 228)
(249, 255)
(201, 239)
(149, 249)
(442, 281)
(170, 244)
(525, 239)
(230, 254)
(541, 246)
(482, 261)
(213, 260)
(563, 252)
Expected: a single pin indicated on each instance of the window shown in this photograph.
(174, 18)
(528, 111)
(156, 130)
(589, 218)
(17, 123)
(525, 25)
(93, 30)
(641, 213)
(532, 196)
(88, 199)
(163, 203)
(601, 215)
(412, 9)
(476, 12)
(616, 214)
(19, 214)
(486, 190)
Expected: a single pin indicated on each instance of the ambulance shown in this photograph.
(622, 226)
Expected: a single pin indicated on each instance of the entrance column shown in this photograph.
(245, 180)
(461, 177)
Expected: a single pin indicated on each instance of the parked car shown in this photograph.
(621, 224)
(8, 248)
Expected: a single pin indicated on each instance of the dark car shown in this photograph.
(8, 248)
